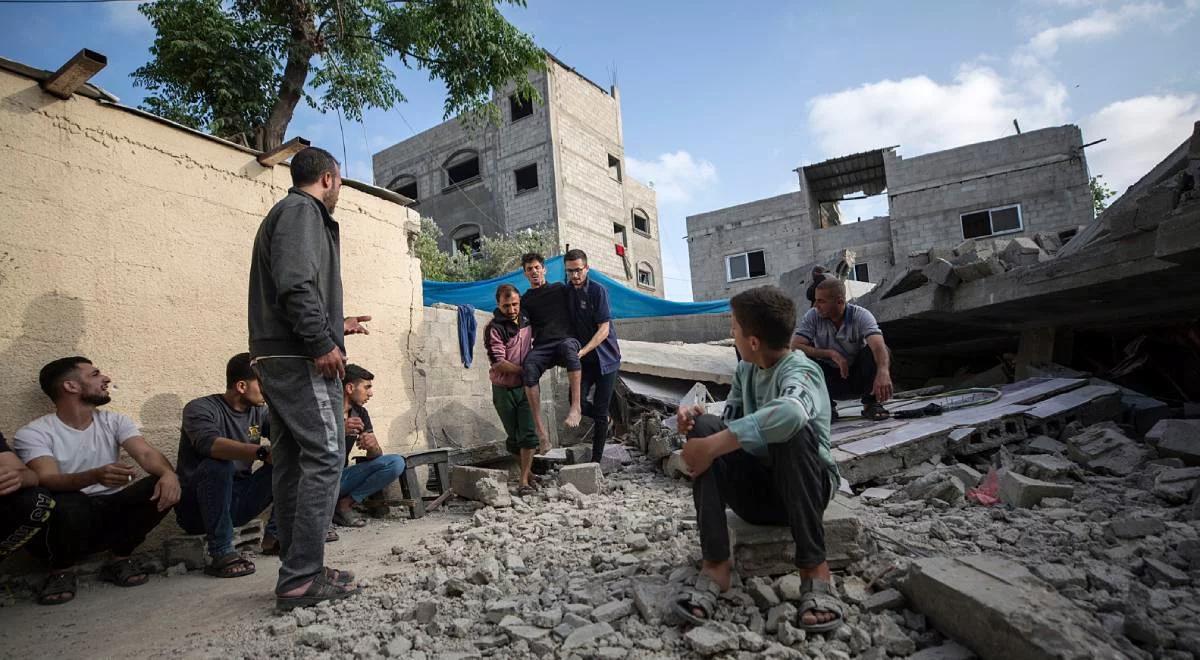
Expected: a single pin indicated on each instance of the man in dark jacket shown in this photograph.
(297, 342)
(599, 355)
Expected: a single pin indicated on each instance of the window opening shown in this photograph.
(526, 177)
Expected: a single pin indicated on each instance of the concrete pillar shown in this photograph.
(1042, 346)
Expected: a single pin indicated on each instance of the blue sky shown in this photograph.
(722, 100)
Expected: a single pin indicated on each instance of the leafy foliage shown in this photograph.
(497, 255)
(238, 68)
(1100, 193)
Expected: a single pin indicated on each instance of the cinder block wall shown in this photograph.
(871, 240)
(127, 240)
(690, 328)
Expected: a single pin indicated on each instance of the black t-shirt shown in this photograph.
(208, 418)
(361, 413)
(547, 309)
(4, 444)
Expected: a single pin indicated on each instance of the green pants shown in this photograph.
(513, 408)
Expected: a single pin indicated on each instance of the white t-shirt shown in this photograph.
(77, 451)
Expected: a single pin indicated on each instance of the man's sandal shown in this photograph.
(701, 595)
(319, 591)
(59, 588)
(124, 573)
(231, 565)
(339, 577)
(818, 596)
(875, 412)
(348, 518)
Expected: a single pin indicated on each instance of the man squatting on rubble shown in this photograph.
(599, 356)
(833, 333)
(768, 458)
(508, 339)
(545, 304)
(297, 341)
(371, 473)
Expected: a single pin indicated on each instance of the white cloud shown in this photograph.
(923, 115)
(676, 176)
(1098, 24)
(125, 17)
(1140, 132)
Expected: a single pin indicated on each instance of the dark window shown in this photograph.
(462, 168)
(519, 107)
(466, 239)
(526, 178)
(640, 222)
(645, 275)
(745, 266)
(861, 274)
(405, 185)
(1008, 219)
(758, 263)
(619, 234)
(991, 221)
(614, 167)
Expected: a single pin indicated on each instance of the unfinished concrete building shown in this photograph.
(559, 164)
(1013, 186)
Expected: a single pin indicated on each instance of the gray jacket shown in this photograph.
(295, 305)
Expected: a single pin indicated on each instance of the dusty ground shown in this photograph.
(169, 612)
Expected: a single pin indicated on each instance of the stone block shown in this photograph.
(586, 477)
(977, 270)
(986, 604)
(769, 550)
(660, 446)
(480, 484)
(1024, 492)
(1022, 252)
(1045, 466)
(1046, 445)
(1176, 486)
(673, 465)
(1103, 448)
(1179, 438)
(969, 476)
(1136, 528)
(941, 273)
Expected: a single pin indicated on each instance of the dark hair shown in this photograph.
(52, 375)
(355, 373)
(575, 254)
(503, 290)
(765, 312)
(310, 164)
(530, 257)
(238, 368)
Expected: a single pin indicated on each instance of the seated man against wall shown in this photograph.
(834, 333)
(546, 306)
(219, 442)
(508, 339)
(25, 507)
(76, 453)
(377, 470)
(768, 459)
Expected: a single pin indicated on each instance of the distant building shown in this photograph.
(558, 164)
(1013, 186)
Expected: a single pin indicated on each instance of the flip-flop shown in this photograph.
(818, 596)
(701, 595)
(124, 573)
(348, 518)
(875, 412)
(319, 591)
(232, 565)
(58, 584)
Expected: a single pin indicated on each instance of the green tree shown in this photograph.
(238, 68)
(497, 255)
(1100, 193)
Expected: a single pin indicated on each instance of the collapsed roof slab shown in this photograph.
(692, 362)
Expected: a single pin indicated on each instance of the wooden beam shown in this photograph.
(282, 152)
(72, 75)
(438, 502)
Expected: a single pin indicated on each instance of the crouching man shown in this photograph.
(768, 459)
(375, 471)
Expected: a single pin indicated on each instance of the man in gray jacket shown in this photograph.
(297, 342)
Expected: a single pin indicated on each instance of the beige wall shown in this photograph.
(128, 241)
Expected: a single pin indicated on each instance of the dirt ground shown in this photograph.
(149, 621)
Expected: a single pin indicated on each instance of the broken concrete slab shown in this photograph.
(1024, 492)
(690, 362)
(761, 550)
(941, 273)
(1178, 438)
(1045, 466)
(1105, 449)
(998, 609)
(1177, 485)
(1023, 252)
(480, 484)
(586, 477)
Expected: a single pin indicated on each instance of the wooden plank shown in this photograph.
(74, 74)
(440, 500)
(282, 152)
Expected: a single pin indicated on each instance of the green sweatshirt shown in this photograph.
(766, 406)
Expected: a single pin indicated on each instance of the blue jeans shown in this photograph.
(216, 500)
(369, 477)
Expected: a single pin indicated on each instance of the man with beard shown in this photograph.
(600, 356)
(297, 342)
(76, 453)
(508, 339)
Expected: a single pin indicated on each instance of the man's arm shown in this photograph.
(13, 475)
(201, 428)
(167, 491)
(600, 336)
(298, 234)
(497, 352)
(882, 388)
(802, 344)
(113, 475)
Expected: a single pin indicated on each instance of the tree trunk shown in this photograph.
(305, 42)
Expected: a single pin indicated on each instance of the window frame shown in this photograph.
(513, 104)
(454, 161)
(410, 179)
(729, 273)
(624, 234)
(455, 239)
(865, 266)
(637, 214)
(516, 179)
(645, 267)
(614, 164)
(991, 226)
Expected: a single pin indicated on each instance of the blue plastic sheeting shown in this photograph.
(626, 303)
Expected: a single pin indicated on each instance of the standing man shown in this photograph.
(297, 342)
(600, 357)
(834, 334)
(546, 306)
(508, 339)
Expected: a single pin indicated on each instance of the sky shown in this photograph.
(721, 101)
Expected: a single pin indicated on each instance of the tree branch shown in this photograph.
(402, 51)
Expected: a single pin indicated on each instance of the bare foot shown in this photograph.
(573, 418)
(816, 617)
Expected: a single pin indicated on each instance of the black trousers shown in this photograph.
(597, 408)
(793, 491)
(858, 385)
(83, 524)
(23, 515)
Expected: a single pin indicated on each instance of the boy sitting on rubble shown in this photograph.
(768, 458)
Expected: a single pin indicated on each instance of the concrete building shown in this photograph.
(1014, 186)
(558, 164)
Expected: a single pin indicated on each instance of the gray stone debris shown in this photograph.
(585, 477)
(1179, 438)
(1103, 448)
(1176, 485)
(711, 639)
(888, 599)
(481, 485)
(1023, 492)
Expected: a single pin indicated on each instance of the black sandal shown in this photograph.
(319, 591)
(875, 412)
(232, 565)
(700, 595)
(124, 573)
(58, 584)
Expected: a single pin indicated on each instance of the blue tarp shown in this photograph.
(626, 303)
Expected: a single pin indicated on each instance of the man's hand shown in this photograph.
(883, 386)
(353, 325)
(697, 457)
(332, 364)
(354, 426)
(166, 491)
(369, 443)
(113, 475)
(839, 360)
(685, 419)
(10, 480)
